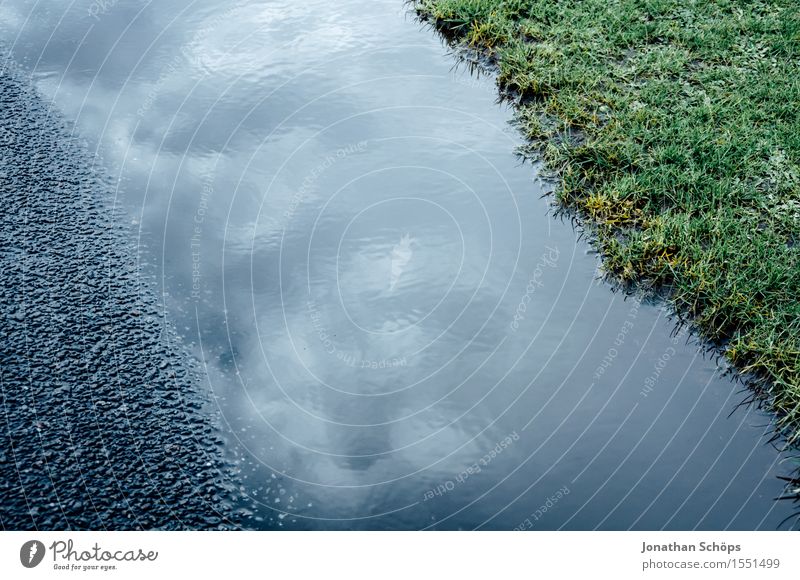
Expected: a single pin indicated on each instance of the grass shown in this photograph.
(674, 129)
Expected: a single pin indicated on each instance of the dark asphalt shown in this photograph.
(104, 421)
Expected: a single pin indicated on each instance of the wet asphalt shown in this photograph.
(105, 423)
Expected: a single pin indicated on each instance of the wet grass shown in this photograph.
(674, 130)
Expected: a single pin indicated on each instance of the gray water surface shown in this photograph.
(397, 331)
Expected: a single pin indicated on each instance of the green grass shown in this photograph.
(674, 129)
